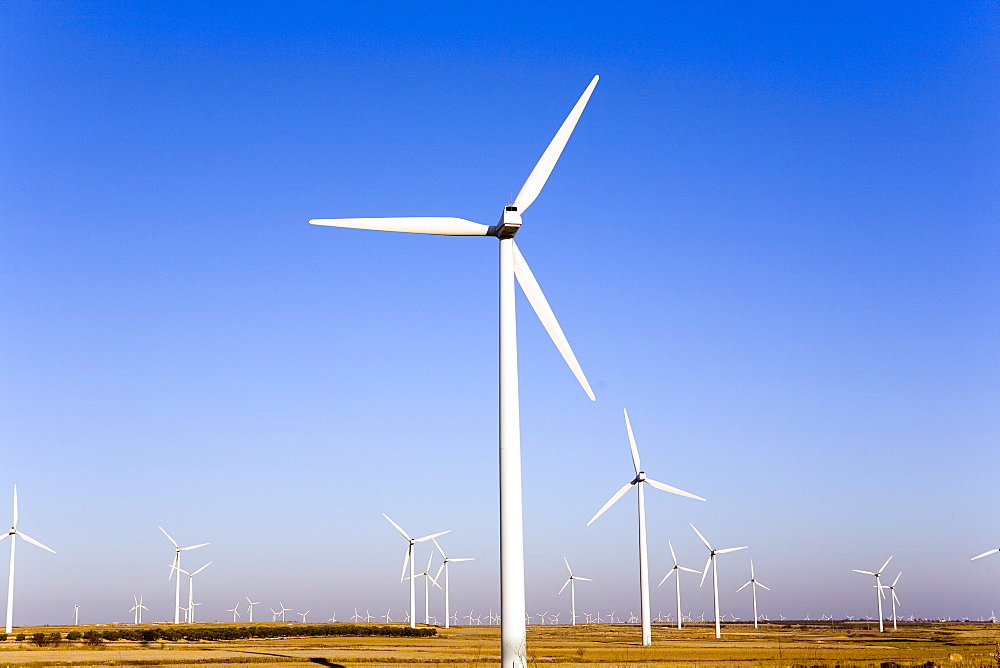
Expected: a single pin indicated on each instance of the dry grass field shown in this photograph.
(600, 646)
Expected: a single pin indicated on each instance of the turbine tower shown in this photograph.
(677, 581)
(753, 584)
(176, 566)
(640, 478)
(408, 560)
(572, 591)
(13, 534)
(444, 567)
(894, 598)
(712, 552)
(879, 594)
(512, 264)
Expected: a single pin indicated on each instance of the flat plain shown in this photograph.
(602, 645)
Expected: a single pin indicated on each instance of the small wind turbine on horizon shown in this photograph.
(879, 594)
(677, 580)
(235, 610)
(753, 584)
(572, 591)
(640, 478)
(176, 566)
(137, 609)
(283, 610)
(444, 567)
(513, 634)
(408, 560)
(76, 615)
(711, 563)
(250, 605)
(303, 615)
(13, 534)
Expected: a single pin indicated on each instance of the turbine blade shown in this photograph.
(986, 554)
(702, 537)
(669, 488)
(406, 562)
(704, 573)
(689, 570)
(440, 568)
(5, 536)
(540, 174)
(884, 565)
(202, 568)
(194, 546)
(731, 549)
(565, 584)
(15, 507)
(865, 572)
(743, 587)
(398, 528)
(577, 577)
(667, 576)
(631, 444)
(544, 312)
(897, 579)
(619, 494)
(454, 227)
(464, 559)
(432, 536)
(673, 555)
(168, 537)
(764, 586)
(434, 540)
(567, 567)
(34, 542)
(896, 598)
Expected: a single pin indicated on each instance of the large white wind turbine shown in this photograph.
(753, 584)
(572, 591)
(512, 264)
(13, 535)
(408, 560)
(677, 581)
(444, 567)
(640, 478)
(879, 594)
(191, 603)
(176, 566)
(712, 552)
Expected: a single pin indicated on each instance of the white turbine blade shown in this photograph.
(5, 536)
(731, 549)
(544, 312)
(14, 524)
(667, 576)
(567, 567)
(432, 536)
(430, 558)
(406, 562)
(202, 568)
(896, 598)
(986, 554)
(619, 494)
(764, 586)
(897, 579)
(743, 587)
(398, 528)
(443, 556)
(631, 444)
(669, 488)
(565, 584)
(540, 174)
(702, 537)
(194, 546)
(577, 577)
(168, 536)
(884, 565)
(673, 555)
(173, 566)
(463, 559)
(455, 227)
(704, 573)
(865, 572)
(689, 570)
(34, 542)
(440, 568)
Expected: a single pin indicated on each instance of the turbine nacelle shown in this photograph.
(508, 225)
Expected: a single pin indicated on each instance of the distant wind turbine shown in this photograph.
(428, 581)
(879, 594)
(76, 615)
(572, 591)
(283, 610)
(640, 478)
(712, 552)
(13, 534)
(235, 610)
(408, 560)
(894, 598)
(677, 580)
(303, 615)
(191, 603)
(176, 566)
(250, 605)
(753, 584)
(137, 609)
(444, 567)
(512, 264)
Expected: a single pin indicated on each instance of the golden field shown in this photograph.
(604, 645)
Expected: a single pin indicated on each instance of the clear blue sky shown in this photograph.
(773, 237)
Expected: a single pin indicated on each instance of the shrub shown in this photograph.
(40, 639)
(74, 635)
(92, 637)
(19, 637)
(3, 636)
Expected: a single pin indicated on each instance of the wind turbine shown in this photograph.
(191, 603)
(640, 478)
(283, 610)
(753, 587)
(177, 566)
(572, 591)
(76, 615)
(428, 580)
(303, 615)
(677, 580)
(444, 567)
(138, 608)
(879, 594)
(512, 264)
(235, 610)
(13, 534)
(712, 552)
(408, 560)
(250, 605)
(895, 599)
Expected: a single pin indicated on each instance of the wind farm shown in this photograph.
(771, 235)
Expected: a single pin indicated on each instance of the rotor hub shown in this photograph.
(509, 223)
